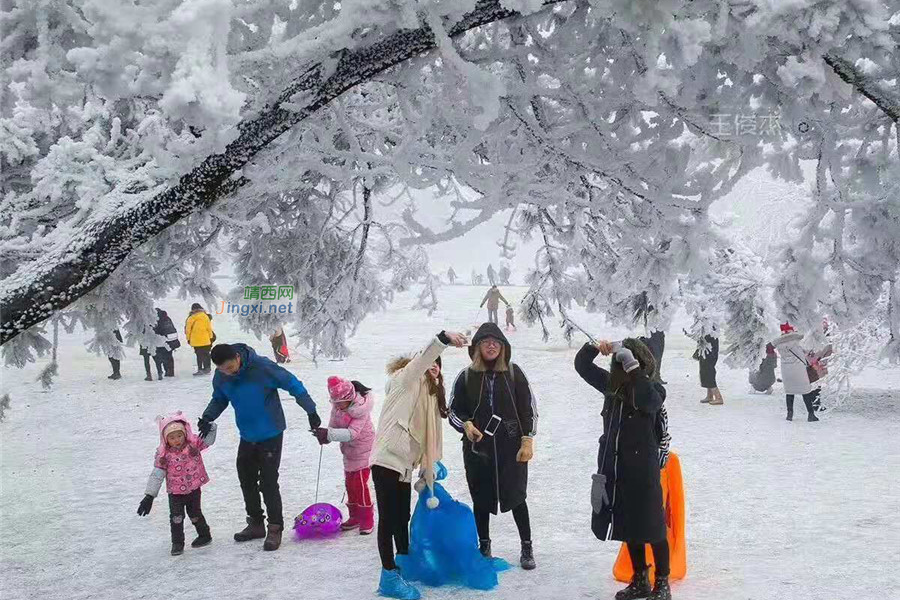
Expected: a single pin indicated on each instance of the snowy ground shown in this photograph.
(776, 510)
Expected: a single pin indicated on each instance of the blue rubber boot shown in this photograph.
(392, 585)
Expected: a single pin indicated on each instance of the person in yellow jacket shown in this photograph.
(199, 333)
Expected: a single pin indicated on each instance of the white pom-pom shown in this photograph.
(419, 486)
(432, 502)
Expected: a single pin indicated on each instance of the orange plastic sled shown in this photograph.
(673, 501)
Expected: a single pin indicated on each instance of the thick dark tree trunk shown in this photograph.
(68, 272)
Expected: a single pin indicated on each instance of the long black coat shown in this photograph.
(631, 461)
(492, 471)
(708, 363)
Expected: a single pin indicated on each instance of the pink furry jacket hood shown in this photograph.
(182, 468)
(353, 428)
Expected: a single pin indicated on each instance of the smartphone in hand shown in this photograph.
(491, 428)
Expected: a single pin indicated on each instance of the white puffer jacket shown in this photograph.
(793, 363)
(409, 428)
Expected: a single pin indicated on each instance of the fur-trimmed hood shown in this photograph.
(642, 354)
(395, 364)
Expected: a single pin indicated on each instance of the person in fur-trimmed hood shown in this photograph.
(493, 406)
(408, 437)
(793, 371)
(626, 495)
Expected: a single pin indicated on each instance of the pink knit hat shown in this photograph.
(340, 390)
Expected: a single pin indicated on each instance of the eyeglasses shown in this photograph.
(489, 342)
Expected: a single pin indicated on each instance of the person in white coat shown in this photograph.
(408, 437)
(793, 371)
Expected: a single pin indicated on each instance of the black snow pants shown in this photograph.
(178, 505)
(257, 467)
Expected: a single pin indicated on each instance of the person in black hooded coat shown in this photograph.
(627, 495)
(496, 465)
(166, 328)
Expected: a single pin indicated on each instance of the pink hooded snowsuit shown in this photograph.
(357, 422)
(353, 428)
(184, 468)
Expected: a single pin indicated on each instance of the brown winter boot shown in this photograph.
(273, 537)
(253, 531)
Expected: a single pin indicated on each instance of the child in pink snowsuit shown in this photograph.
(351, 425)
(179, 463)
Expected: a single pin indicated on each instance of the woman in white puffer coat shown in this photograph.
(793, 371)
(408, 437)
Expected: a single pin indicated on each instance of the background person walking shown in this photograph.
(199, 333)
(493, 298)
(707, 354)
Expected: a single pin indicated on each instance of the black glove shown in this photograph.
(314, 421)
(321, 434)
(204, 427)
(145, 505)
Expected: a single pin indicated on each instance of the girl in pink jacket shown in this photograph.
(351, 425)
(178, 462)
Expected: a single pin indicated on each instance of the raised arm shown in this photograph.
(423, 360)
(596, 377)
(485, 299)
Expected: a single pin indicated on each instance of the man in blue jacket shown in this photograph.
(250, 383)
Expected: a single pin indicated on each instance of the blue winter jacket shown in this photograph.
(253, 392)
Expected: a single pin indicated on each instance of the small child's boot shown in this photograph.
(204, 536)
(352, 521)
(366, 516)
